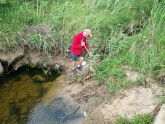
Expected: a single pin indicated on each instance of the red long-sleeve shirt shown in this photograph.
(76, 47)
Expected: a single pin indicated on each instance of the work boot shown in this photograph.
(74, 71)
(79, 68)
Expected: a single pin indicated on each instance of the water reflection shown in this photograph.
(20, 92)
(17, 98)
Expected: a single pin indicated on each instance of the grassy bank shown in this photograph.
(125, 33)
(143, 51)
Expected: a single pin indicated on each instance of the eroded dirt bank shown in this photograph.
(16, 58)
(135, 100)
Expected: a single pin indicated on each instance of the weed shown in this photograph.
(137, 119)
(107, 19)
(142, 119)
(160, 98)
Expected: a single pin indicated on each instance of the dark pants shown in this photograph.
(74, 56)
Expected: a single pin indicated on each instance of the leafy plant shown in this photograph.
(160, 98)
(142, 119)
(137, 119)
(128, 32)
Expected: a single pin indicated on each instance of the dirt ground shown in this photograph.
(99, 105)
(135, 100)
(81, 87)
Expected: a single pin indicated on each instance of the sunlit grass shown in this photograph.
(106, 18)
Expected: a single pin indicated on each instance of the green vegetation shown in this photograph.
(160, 98)
(125, 33)
(137, 119)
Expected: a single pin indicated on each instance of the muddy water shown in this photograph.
(28, 97)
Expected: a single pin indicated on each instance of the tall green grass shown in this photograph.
(116, 25)
(70, 17)
(147, 54)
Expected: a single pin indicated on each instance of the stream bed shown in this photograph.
(32, 95)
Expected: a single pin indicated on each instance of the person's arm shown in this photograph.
(76, 43)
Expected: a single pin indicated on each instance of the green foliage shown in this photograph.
(160, 98)
(137, 119)
(94, 61)
(3, 2)
(144, 51)
(109, 72)
(142, 119)
(39, 41)
(138, 82)
(109, 67)
(115, 86)
(70, 17)
(142, 20)
(122, 120)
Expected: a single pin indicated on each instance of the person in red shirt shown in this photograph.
(79, 43)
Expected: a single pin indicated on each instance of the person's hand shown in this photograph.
(82, 44)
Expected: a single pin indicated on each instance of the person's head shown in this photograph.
(87, 33)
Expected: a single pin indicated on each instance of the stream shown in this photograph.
(32, 95)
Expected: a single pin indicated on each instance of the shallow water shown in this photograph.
(23, 99)
(57, 111)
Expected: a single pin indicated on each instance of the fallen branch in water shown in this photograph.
(76, 110)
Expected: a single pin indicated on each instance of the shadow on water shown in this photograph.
(21, 94)
(48, 74)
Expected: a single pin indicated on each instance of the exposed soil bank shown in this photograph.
(16, 59)
(128, 102)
